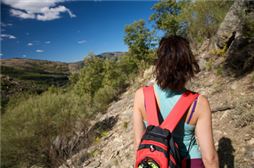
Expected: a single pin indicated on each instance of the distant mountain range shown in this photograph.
(109, 55)
(25, 65)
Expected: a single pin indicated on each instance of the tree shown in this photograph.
(194, 20)
(140, 41)
(166, 17)
(91, 75)
(114, 75)
(203, 18)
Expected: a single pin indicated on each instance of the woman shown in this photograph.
(175, 66)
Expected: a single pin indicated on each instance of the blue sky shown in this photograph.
(67, 30)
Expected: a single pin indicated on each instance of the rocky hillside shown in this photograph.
(231, 101)
(226, 79)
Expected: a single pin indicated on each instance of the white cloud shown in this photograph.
(30, 5)
(1, 54)
(81, 41)
(40, 10)
(29, 44)
(39, 51)
(21, 14)
(53, 13)
(7, 36)
(47, 42)
(24, 55)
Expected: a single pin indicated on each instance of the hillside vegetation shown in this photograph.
(32, 123)
(87, 123)
(21, 76)
(30, 76)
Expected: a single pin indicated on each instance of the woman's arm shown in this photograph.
(138, 125)
(205, 135)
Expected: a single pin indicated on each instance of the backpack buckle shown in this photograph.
(152, 148)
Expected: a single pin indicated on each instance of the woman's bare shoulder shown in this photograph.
(139, 100)
(202, 104)
(203, 100)
(139, 92)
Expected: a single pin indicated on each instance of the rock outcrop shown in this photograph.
(231, 27)
(236, 37)
(240, 56)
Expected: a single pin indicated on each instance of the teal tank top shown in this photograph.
(184, 132)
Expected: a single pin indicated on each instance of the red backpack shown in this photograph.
(157, 148)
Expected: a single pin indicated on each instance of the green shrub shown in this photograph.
(219, 52)
(73, 78)
(114, 75)
(91, 75)
(219, 70)
(129, 67)
(209, 64)
(29, 128)
(103, 97)
(104, 133)
(125, 125)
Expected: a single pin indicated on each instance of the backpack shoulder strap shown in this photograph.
(150, 105)
(179, 110)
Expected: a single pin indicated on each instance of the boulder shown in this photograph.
(240, 56)
(230, 28)
(236, 34)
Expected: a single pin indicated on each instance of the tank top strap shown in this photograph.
(192, 110)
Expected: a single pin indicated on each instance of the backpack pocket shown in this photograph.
(153, 152)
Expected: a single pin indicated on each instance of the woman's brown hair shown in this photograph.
(175, 64)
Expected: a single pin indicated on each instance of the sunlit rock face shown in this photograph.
(236, 34)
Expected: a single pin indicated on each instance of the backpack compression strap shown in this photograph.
(150, 106)
(179, 110)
